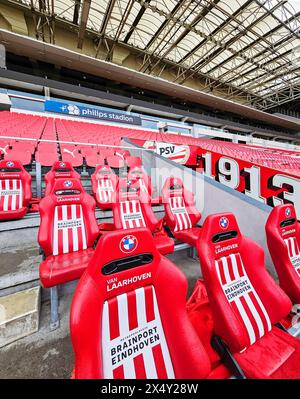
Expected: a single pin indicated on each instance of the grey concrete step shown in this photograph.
(19, 315)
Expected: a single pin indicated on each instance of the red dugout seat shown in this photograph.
(67, 232)
(246, 303)
(283, 238)
(181, 215)
(104, 186)
(123, 323)
(59, 170)
(15, 190)
(133, 209)
(138, 173)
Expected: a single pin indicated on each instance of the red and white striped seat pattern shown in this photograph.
(11, 195)
(131, 214)
(69, 230)
(133, 340)
(105, 190)
(178, 208)
(283, 238)
(294, 252)
(242, 296)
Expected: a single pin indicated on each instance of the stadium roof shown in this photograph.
(246, 48)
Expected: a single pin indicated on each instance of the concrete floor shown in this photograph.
(47, 354)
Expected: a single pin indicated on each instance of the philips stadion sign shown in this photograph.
(91, 112)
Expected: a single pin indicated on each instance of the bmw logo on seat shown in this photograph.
(288, 212)
(224, 222)
(128, 244)
(10, 164)
(62, 164)
(68, 184)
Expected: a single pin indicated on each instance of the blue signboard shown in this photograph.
(91, 112)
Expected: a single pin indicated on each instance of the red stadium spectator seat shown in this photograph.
(115, 162)
(106, 152)
(246, 303)
(94, 159)
(122, 153)
(181, 215)
(24, 157)
(59, 170)
(67, 234)
(126, 321)
(133, 162)
(104, 186)
(133, 209)
(283, 238)
(15, 190)
(72, 155)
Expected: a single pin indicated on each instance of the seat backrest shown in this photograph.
(181, 213)
(126, 321)
(59, 170)
(133, 207)
(15, 186)
(283, 238)
(244, 298)
(104, 186)
(68, 222)
(138, 173)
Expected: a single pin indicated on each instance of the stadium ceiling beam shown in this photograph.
(163, 25)
(276, 46)
(170, 22)
(255, 42)
(279, 99)
(282, 22)
(233, 18)
(195, 21)
(136, 21)
(104, 23)
(76, 12)
(83, 21)
(212, 34)
(122, 23)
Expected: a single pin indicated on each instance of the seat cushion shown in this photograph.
(164, 244)
(11, 215)
(275, 355)
(189, 236)
(60, 269)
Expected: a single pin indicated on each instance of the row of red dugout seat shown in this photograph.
(15, 184)
(244, 302)
(124, 325)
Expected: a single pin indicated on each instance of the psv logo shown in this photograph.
(10, 164)
(128, 244)
(224, 223)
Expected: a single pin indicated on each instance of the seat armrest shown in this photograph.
(227, 357)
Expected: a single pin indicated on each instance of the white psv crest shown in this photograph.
(128, 244)
(68, 184)
(224, 222)
(10, 164)
(288, 212)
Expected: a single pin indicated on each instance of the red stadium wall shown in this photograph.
(262, 183)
